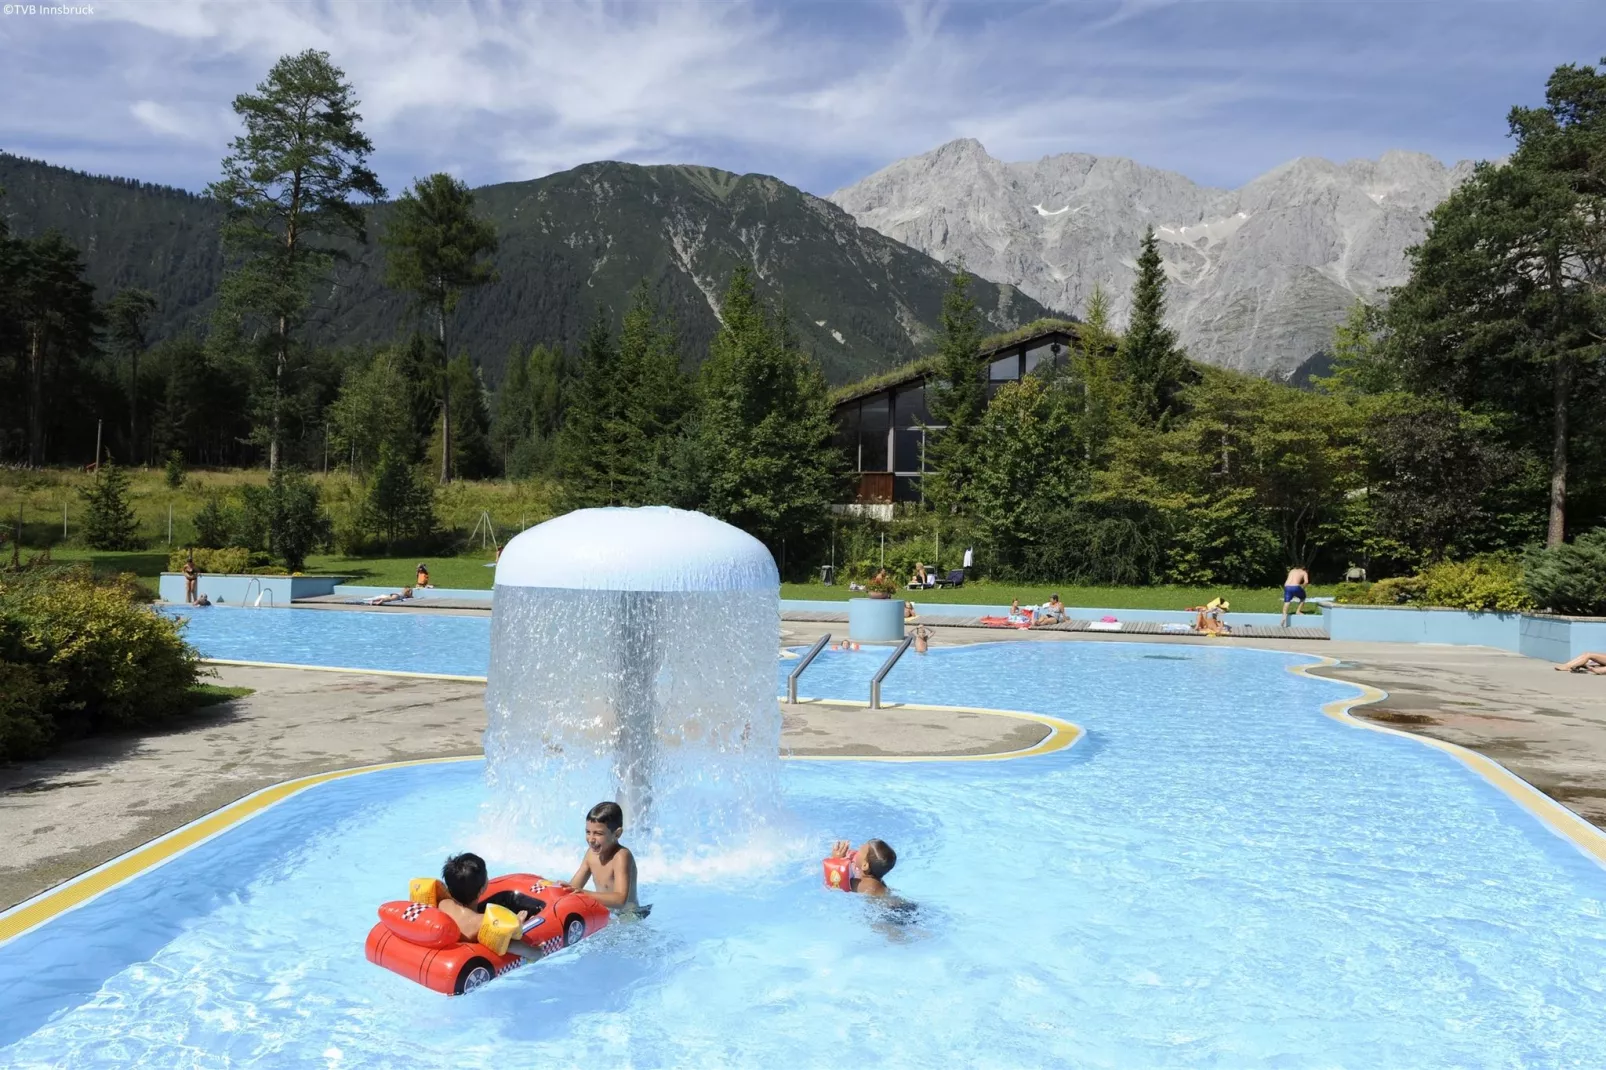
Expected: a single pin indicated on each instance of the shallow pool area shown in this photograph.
(1216, 875)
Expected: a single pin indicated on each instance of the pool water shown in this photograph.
(1215, 876)
(395, 640)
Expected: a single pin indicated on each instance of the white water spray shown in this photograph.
(633, 658)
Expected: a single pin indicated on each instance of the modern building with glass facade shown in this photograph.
(883, 427)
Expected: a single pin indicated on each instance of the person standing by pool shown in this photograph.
(190, 578)
(1294, 591)
(423, 576)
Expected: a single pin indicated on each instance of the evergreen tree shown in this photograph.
(288, 181)
(436, 243)
(1152, 365)
(654, 398)
(526, 410)
(400, 504)
(765, 428)
(588, 456)
(55, 305)
(109, 522)
(470, 419)
(957, 396)
(127, 316)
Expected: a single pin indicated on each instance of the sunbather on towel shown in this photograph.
(1590, 663)
(1052, 610)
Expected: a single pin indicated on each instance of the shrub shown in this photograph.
(1398, 591)
(1570, 578)
(285, 518)
(1478, 583)
(231, 560)
(79, 655)
(109, 522)
(398, 511)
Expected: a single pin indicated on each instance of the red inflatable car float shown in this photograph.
(422, 943)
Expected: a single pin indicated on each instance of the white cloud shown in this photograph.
(819, 95)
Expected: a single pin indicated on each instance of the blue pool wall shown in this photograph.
(235, 590)
(1543, 636)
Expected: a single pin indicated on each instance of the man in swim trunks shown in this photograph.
(1294, 591)
(465, 879)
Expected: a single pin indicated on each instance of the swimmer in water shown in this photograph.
(609, 862)
(873, 860)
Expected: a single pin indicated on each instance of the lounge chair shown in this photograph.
(956, 578)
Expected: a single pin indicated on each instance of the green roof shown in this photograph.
(919, 369)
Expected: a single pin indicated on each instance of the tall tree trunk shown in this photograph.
(36, 398)
(446, 396)
(133, 405)
(278, 395)
(1562, 383)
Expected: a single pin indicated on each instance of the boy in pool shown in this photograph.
(873, 860)
(609, 862)
(465, 879)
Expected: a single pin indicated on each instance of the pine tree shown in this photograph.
(109, 522)
(957, 397)
(287, 181)
(399, 507)
(765, 428)
(469, 420)
(654, 398)
(436, 244)
(588, 459)
(127, 315)
(1152, 365)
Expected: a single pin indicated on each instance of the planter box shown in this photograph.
(1536, 635)
(235, 590)
(875, 620)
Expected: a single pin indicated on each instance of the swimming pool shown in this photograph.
(1215, 876)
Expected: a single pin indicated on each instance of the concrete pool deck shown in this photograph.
(98, 798)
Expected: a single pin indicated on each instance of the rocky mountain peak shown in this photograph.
(1259, 275)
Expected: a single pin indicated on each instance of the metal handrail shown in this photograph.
(264, 592)
(791, 680)
(881, 673)
(245, 601)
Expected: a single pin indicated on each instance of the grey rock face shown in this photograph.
(1258, 276)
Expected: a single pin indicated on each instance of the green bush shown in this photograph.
(79, 655)
(109, 522)
(231, 560)
(1570, 578)
(285, 518)
(397, 514)
(1398, 591)
(1479, 583)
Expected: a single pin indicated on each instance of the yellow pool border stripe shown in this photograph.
(339, 668)
(93, 883)
(1550, 813)
(31, 913)
(1062, 734)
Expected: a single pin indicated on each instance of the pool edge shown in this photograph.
(1588, 839)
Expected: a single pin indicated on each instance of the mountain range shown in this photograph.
(570, 243)
(1257, 276)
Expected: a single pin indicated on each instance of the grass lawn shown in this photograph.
(1244, 600)
(467, 571)
(212, 694)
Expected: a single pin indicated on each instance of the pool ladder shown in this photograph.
(886, 667)
(814, 652)
(261, 591)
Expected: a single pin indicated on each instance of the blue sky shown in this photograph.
(819, 95)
